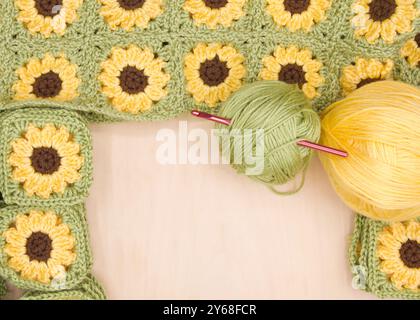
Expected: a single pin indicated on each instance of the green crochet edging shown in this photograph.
(365, 263)
(3, 288)
(88, 41)
(89, 289)
(75, 218)
(14, 123)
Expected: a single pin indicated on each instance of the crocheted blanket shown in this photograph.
(64, 63)
(154, 59)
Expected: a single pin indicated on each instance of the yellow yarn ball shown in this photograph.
(379, 126)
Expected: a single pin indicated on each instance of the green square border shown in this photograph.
(75, 218)
(89, 289)
(13, 123)
(362, 253)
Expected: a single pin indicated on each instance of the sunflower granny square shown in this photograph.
(385, 258)
(46, 157)
(44, 248)
(65, 63)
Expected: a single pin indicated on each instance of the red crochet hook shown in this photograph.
(303, 143)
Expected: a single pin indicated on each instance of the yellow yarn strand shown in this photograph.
(379, 125)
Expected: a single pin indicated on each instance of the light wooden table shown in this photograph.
(204, 232)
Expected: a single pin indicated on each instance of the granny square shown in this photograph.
(44, 248)
(46, 157)
(383, 257)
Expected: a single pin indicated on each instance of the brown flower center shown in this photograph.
(131, 4)
(215, 4)
(39, 246)
(214, 72)
(45, 160)
(367, 81)
(133, 80)
(417, 39)
(47, 85)
(48, 8)
(296, 6)
(381, 10)
(410, 254)
(292, 74)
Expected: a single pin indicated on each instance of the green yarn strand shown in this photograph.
(286, 117)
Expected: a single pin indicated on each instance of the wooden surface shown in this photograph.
(204, 232)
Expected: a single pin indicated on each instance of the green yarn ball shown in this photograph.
(286, 116)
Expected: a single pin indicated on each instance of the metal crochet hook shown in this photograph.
(302, 143)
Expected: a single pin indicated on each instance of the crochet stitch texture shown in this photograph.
(327, 47)
(385, 258)
(64, 64)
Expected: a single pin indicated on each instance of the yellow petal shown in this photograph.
(399, 232)
(33, 135)
(388, 31)
(373, 32)
(291, 54)
(413, 230)
(155, 93)
(14, 250)
(64, 257)
(23, 174)
(388, 240)
(309, 91)
(44, 188)
(35, 220)
(49, 221)
(22, 147)
(47, 134)
(60, 137)
(69, 149)
(22, 225)
(59, 231)
(314, 79)
(19, 161)
(18, 263)
(63, 242)
(271, 64)
(43, 273)
(72, 162)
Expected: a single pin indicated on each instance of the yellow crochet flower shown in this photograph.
(296, 15)
(213, 72)
(45, 160)
(133, 79)
(47, 78)
(364, 72)
(47, 17)
(129, 13)
(399, 252)
(39, 246)
(411, 51)
(215, 12)
(383, 18)
(294, 66)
